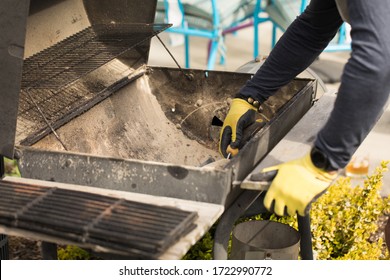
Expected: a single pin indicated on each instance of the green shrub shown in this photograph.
(71, 252)
(202, 250)
(343, 222)
(345, 219)
(11, 168)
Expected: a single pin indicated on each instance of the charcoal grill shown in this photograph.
(114, 153)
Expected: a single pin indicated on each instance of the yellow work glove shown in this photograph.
(297, 184)
(241, 114)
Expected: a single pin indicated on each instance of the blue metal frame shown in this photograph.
(341, 44)
(212, 34)
(216, 33)
(257, 20)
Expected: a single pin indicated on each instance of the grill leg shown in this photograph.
(49, 251)
(4, 251)
(306, 238)
(2, 166)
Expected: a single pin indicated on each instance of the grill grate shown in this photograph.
(83, 52)
(138, 230)
(63, 82)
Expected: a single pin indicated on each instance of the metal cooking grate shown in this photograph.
(138, 230)
(63, 82)
(83, 52)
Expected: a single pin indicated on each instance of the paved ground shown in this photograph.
(240, 51)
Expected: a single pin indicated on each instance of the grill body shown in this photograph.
(83, 107)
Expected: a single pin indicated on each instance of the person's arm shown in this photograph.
(299, 46)
(365, 84)
(302, 42)
(363, 93)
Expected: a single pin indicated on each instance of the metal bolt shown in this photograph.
(68, 162)
(17, 153)
(190, 76)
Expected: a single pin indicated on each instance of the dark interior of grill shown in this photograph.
(93, 93)
(146, 113)
(161, 116)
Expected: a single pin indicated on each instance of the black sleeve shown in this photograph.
(299, 46)
(365, 84)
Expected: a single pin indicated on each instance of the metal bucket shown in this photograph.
(4, 253)
(259, 240)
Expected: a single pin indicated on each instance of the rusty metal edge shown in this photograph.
(160, 179)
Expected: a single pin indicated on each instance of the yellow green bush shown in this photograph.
(71, 252)
(345, 219)
(11, 168)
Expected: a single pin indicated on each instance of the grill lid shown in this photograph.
(12, 30)
(51, 70)
(61, 82)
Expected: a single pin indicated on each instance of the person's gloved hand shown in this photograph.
(241, 114)
(297, 184)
